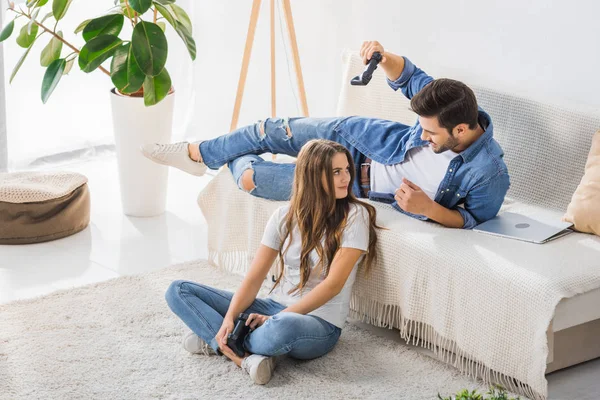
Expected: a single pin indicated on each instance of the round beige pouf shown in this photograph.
(41, 206)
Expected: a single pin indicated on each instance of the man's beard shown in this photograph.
(450, 144)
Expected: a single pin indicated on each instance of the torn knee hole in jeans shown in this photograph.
(261, 128)
(286, 124)
(246, 181)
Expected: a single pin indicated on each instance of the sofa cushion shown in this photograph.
(41, 206)
(584, 210)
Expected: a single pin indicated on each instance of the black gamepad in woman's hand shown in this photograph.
(235, 340)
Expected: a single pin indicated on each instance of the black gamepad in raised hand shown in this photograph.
(365, 77)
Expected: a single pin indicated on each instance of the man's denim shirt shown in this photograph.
(476, 180)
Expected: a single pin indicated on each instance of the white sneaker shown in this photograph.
(174, 155)
(196, 345)
(260, 368)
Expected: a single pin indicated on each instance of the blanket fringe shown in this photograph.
(424, 335)
(236, 262)
(413, 332)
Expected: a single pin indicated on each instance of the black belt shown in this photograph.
(365, 177)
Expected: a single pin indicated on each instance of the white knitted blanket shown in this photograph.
(481, 303)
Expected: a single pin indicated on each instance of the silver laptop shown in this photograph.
(520, 227)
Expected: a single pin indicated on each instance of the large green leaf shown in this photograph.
(97, 50)
(50, 14)
(7, 31)
(32, 20)
(150, 47)
(26, 39)
(52, 51)
(69, 66)
(156, 88)
(59, 8)
(165, 2)
(126, 75)
(187, 38)
(106, 25)
(36, 3)
(19, 63)
(166, 13)
(82, 26)
(182, 16)
(52, 77)
(141, 6)
(181, 30)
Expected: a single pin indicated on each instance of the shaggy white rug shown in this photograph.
(119, 340)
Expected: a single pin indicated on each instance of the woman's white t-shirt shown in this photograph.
(355, 235)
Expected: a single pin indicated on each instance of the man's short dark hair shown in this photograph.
(452, 102)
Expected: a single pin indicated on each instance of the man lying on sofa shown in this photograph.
(447, 167)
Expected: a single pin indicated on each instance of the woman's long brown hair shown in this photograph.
(321, 218)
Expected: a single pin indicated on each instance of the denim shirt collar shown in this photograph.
(486, 123)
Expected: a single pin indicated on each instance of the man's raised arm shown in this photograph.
(400, 72)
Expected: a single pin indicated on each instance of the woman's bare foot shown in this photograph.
(227, 352)
(260, 368)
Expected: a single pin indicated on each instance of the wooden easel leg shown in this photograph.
(287, 9)
(273, 84)
(245, 62)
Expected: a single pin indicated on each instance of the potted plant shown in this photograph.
(129, 40)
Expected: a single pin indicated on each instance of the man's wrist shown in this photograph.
(430, 209)
(393, 66)
(445, 216)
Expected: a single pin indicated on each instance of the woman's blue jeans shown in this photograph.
(241, 148)
(202, 309)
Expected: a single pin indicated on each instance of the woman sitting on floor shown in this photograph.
(321, 237)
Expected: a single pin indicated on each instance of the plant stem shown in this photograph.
(128, 12)
(155, 14)
(101, 68)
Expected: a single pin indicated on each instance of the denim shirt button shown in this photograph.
(450, 169)
(457, 194)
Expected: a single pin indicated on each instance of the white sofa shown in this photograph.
(503, 310)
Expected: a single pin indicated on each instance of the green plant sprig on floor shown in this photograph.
(138, 62)
(495, 393)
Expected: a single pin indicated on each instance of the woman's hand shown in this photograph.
(226, 328)
(256, 320)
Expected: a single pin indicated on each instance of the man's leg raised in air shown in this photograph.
(273, 135)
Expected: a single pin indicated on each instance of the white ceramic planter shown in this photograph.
(143, 183)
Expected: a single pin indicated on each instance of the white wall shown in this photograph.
(541, 49)
(3, 135)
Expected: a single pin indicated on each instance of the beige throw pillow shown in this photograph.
(584, 209)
